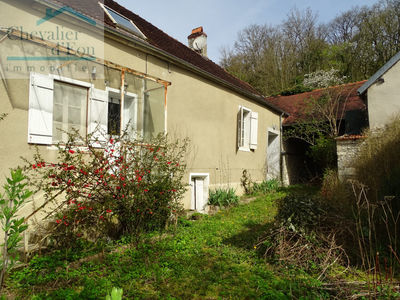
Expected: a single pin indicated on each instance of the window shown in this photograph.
(114, 116)
(69, 110)
(247, 129)
(59, 105)
(122, 21)
(129, 115)
(56, 106)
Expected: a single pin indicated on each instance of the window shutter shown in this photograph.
(98, 117)
(253, 130)
(40, 116)
(130, 116)
(240, 127)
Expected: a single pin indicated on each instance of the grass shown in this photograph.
(211, 258)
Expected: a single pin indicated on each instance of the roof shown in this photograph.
(379, 73)
(351, 137)
(296, 105)
(157, 39)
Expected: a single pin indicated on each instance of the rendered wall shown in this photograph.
(196, 108)
(384, 98)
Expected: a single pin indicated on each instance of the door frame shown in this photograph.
(206, 183)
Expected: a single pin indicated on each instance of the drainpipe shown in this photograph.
(122, 102)
(281, 148)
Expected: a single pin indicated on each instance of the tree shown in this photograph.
(321, 117)
(356, 43)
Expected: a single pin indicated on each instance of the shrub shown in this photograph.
(297, 89)
(377, 187)
(15, 196)
(129, 187)
(377, 165)
(323, 153)
(336, 195)
(303, 211)
(223, 197)
(299, 237)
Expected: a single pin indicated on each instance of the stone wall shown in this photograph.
(347, 149)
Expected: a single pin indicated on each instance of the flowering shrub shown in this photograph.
(323, 79)
(127, 187)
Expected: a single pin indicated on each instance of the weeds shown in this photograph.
(15, 196)
(217, 253)
(223, 197)
(299, 238)
(265, 187)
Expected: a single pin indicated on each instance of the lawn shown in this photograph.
(213, 257)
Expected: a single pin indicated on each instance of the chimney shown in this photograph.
(197, 41)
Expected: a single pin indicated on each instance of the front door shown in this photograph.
(199, 186)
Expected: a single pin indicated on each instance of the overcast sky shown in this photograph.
(223, 19)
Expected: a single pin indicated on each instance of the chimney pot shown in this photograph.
(196, 33)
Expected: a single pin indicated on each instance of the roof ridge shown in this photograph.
(201, 56)
(320, 89)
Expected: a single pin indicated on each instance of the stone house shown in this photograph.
(84, 63)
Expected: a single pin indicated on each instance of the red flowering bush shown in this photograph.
(126, 187)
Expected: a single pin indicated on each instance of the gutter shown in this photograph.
(140, 44)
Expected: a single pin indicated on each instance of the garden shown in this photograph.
(115, 229)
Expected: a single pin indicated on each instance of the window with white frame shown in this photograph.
(58, 106)
(129, 116)
(247, 129)
(69, 110)
(122, 21)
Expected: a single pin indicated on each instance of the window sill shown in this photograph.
(75, 148)
(244, 149)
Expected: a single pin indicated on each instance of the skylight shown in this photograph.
(122, 21)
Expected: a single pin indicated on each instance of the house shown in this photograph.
(85, 64)
(350, 116)
(381, 93)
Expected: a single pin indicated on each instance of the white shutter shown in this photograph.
(253, 130)
(98, 116)
(40, 116)
(240, 127)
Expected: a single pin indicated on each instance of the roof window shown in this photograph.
(122, 21)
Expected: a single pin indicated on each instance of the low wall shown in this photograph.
(347, 150)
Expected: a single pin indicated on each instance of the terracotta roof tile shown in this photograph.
(296, 105)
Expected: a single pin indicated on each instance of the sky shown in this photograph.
(223, 19)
